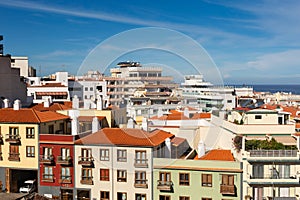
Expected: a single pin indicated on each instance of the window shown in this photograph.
(140, 196)
(29, 151)
(104, 154)
(184, 179)
(164, 197)
(121, 196)
(141, 159)
(64, 154)
(140, 179)
(51, 129)
(85, 96)
(65, 174)
(204, 198)
(121, 155)
(229, 101)
(14, 154)
(104, 174)
(86, 176)
(86, 155)
(258, 117)
(121, 175)
(227, 185)
(91, 89)
(164, 177)
(184, 198)
(48, 173)
(13, 131)
(30, 132)
(62, 127)
(207, 180)
(86, 89)
(47, 153)
(104, 195)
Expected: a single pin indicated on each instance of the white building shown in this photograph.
(49, 90)
(118, 163)
(23, 64)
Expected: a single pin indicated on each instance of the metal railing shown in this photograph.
(273, 153)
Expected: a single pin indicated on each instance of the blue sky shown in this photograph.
(251, 42)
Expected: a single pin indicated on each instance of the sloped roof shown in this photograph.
(201, 116)
(218, 154)
(174, 115)
(28, 115)
(89, 118)
(52, 107)
(125, 137)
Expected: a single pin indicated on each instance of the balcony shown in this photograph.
(13, 139)
(141, 163)
(85, 161)
(65, 180)
(14, 157)
(87, 180)
(48, 178)
(274, 179)
(141, 183)
(227, 189)
(64, 160)
(47, 159)
(164, 185)
(273, 156)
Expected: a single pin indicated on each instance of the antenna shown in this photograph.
(1, 45)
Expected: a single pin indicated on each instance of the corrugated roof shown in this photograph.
(218, 154)
(125, 137)
(28, 115)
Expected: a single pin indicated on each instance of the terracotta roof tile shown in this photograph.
(52, 107)
(125, 137)
(201, 116)
(27, 115)
(218, 154)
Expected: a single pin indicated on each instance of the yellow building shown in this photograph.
(20, 129)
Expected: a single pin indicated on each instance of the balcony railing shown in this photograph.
(87, 161)
(141, 163)
(273, 176)
(141, 183)
(64, 160)
(14, 157)
(47, 159)
(48, 178)
(273, 153)
(65, 180)
(87, 180)
(13, 138)
(227, 189)
(164, 185)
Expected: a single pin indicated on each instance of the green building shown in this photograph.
(214, 176)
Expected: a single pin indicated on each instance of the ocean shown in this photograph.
(294, 89)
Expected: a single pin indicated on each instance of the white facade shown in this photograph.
(115, 185)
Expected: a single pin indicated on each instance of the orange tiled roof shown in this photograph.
(52, 107)
(218, 154)
(125, 137)
(174, 115)
(291, 109)
(89, 118)
(297, 125)
(50, 85)
(28, 115)
(201, 116)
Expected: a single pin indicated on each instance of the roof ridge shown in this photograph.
(36, 115)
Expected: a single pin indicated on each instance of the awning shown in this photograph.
(52, 94)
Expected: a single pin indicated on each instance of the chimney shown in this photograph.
(46, 103)
(160, 112)
(130, 123)
(186, 112)
(17, 104)
(75, 102)
(99, 103)
(168, 147)
(145, 124)
(201, 149)
(6, 103)
(95, 125)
